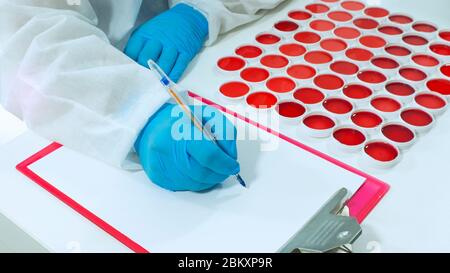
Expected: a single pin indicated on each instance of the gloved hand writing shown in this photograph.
(176, 155)
(172, 40)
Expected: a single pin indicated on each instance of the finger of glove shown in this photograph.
(168, 59)
(151, 51)
(180, 66)
(134, 47)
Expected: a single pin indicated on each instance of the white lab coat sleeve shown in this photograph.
(59, 73)
(225, 15)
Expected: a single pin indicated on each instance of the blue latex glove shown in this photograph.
(172, 40)
(189, 164)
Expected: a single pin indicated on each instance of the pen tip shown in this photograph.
(241, 181)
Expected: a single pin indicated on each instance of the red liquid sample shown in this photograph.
(317, 8)
(390, 30)
(322, 25)
(349, 137)
(385, 63)
(440, 49)
(398, 51)
(372, 41)
(340, 16)
(333, 45)
(398, 133)
(268, 39)
(292, 50)
(307, 37)
(425, 60)
(299, 15)
(413, 74)
(424, 27)
(234, 89)
(338, 106)
(400, 89)
(274, 61)
(366, 119)
(344, 68)
(254, 74)
(286, 26)
(290, 109)
(262, 100)
(400, 19)
(416, 117)
(430, 101)
(359, 54)
(357, 91)
(319, 122)
(231, 63)
(347, 32)
(281, 85)
(249, 51)
(365, 23)
(309, 95)
(353, 5)
(445, 35)
(415, 40)
(329, 82)
(376, 12)
(318, 57)
(371, 76)
(381, 151)
(301, 72)
(446, 70)
(385, 104)
(440, 86)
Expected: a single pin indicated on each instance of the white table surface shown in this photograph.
(415, 215)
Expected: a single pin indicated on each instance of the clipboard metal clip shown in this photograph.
(328, 231)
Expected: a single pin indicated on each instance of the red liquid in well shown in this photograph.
(440, 86)
(365, 23)
(307, 37)
(347, 32)
(292, 50)
(440, 49)
(381, 151)
(254, 74)
(349, 137)
(372, 41)
(446, 70)
(262, 100)
(249, 51)
(329, 82)
(344, 68)
(318, 57)
(317, 8)
(425, 60)
(319, 122)
(376, 12)
(445, 35)
(400, 89)
(357, 91)
(370, 76)
(281, 85)
(286, 26)
(385, 63)
(398, 133)
(400, 19)
(268, 39)
(290, 109)
(366, 119)
(416, 117)
(430, 101)
(333, 45)
(338, 106)
(359, 54)
(423, 27)
(301, 72)
(413, 74)
(231, 63)
(274, 61)
(330, 1)
(415, 40)
(353, 5)
(322, 25)
(385, 104)
(390, 30)
(340, 16)
(309, 95)
(234, 89)
(398, 51)
(299, 15)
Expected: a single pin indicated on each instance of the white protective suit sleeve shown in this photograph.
(59, 73)
(225, 15)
